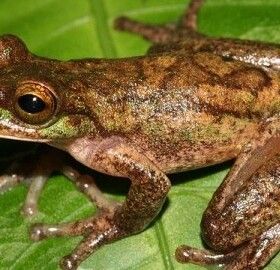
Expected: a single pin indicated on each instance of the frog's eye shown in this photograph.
(34, 103)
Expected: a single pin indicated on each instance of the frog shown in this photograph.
(192, 101)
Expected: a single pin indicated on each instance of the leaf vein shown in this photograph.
(102, 28)
(163, 246)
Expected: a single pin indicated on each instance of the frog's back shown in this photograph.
(188, 111)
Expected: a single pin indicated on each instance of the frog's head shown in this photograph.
(39, 98)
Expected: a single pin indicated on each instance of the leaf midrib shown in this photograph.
(105, 39)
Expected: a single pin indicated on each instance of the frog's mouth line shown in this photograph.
(14, 138)
(10, 131)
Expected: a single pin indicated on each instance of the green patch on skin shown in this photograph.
(5, 115)
(119, 122)
(198, 133)
(68, 127)
(244, 97)
(213, 132)
(203, 133)
(116, 118)
(275, 106)
(154, 129)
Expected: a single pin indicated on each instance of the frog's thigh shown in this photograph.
(220, 220)
(147, 193)
(260, 151)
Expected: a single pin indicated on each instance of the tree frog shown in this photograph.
(191, 102)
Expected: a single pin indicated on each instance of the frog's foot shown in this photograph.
(16, 175)
(97, 231)
(84, 183)
(164, 33)
(253, 255)
(17, 172)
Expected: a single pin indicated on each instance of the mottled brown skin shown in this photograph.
(254, 212)
(191, 102)
(245, 233)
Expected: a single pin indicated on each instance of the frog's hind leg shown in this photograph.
(254, 255)
(189, 20)
(163, 33)
(153, 33)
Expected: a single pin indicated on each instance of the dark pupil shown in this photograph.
(31, 103)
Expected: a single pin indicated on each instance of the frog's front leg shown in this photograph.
(147, 193)
(11, 177)
(46, 162)
(35, 175)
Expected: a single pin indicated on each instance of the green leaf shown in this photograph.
(76, 29)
